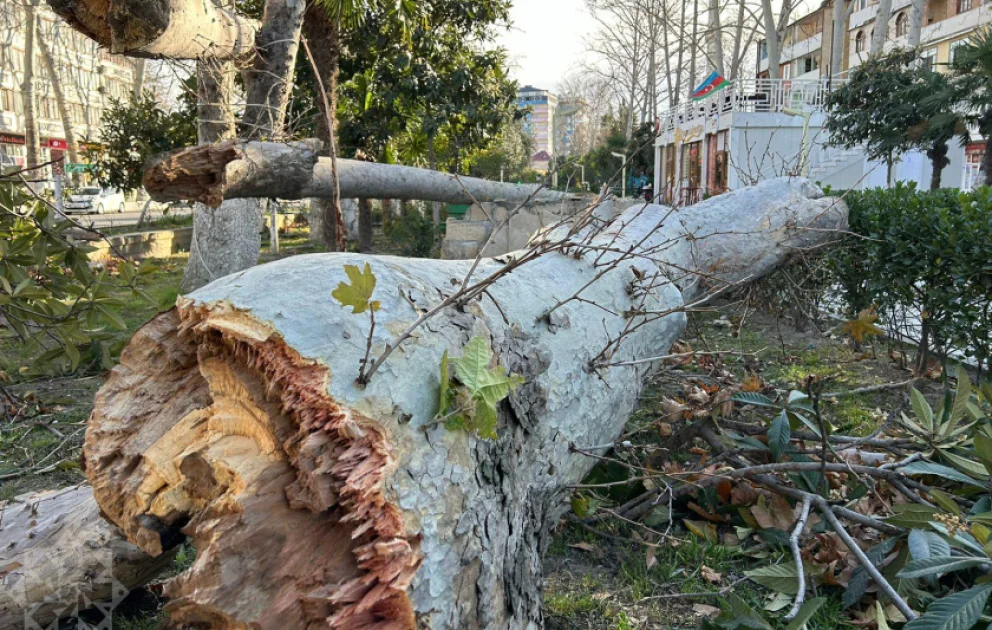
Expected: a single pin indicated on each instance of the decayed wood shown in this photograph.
(315, 502)
(294, 170)
(59, 556)
(161, 29)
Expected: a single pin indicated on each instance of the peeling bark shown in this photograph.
(234, 170)
(161, 29)
(236, 419)
(58, 556)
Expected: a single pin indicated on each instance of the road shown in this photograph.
(130, 217)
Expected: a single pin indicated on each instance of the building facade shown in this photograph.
(539, 123)
(761, 128)
(91, 78)
(571, 127)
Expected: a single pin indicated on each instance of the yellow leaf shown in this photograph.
(864, 326)
(358, 294)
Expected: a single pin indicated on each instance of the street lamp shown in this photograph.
(804, 148)
(623, 185)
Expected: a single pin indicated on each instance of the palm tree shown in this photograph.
(971, 81)
(940, 121)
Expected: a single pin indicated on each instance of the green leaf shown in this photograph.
(960, 408)
(983, 448)
(737, 615)
(751, 398)
(806, 613)
(486, 386)
(959, 611)
(921, 408)
(781, 578)
(938, 564)
(939, 470)
(966, 465)
(113, 316)
(860, 580)
(473, 364)
(779, 435)
(945, 501)
(443, 396)
(357, 295)
(924, 545)
(485, 420)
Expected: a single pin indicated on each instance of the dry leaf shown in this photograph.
(601, 596)
(710, 575)
(751, 383)
(584, 546)
(705, 610)
(665, 429)
(649, 555)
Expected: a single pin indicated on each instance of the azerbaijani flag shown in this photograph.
(713, 83)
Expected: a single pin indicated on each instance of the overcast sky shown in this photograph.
(547, 39)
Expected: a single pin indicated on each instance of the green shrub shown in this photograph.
(924, 254)
(413, 234)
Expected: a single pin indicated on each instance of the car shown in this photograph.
(98, 200)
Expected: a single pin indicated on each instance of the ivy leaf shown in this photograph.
(959, 611)
(357, 295)
(779, 435)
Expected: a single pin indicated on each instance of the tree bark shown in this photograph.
(716, 37)
(59, 556)
(325, 35)
(771, 39)
(226, 236)
(236, 418)
(839, 36)
(60, 102)
(233, 170)
(938, 157)
(365, 225)
(140, 70)
(916, 9)
(881, 27)
(32, 136)
(161, 29)
(270, 78)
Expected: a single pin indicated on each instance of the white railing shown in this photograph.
(751, 95)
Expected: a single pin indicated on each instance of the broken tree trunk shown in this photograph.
(239, 169)
(58, 556)
(161, 29)
(236, 418)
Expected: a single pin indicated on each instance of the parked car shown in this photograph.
(99, 200)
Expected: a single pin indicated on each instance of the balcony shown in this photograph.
(797, 50)
(748, 96)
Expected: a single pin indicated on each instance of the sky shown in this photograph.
(547, 39)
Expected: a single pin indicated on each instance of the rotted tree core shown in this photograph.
(233, 440)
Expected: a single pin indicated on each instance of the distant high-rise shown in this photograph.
(539, 123)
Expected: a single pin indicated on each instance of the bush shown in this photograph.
(413, 234)
(922, 259)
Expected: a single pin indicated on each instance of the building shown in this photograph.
(539, 122)
(91, 78)
(571, 127)
(761, 128)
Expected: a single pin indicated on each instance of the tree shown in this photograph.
(32, 134)
(135, 129)
(972, 75)
(872, 109)
(249, 426)
(507, 157)
(940, 120)
(55, 80)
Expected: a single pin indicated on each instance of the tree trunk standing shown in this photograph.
(881, 27)
(916, 9)
(269, 80)
(387, 214)
(432, 164)
(140, 68)
(716, 38)
(694, 44)
(365, 227)
(987, 158)
(771, 39)
(32, 136)
(737, 58)
(226, 238)
(324, 37)
(938, 157)
(838, 36)
(59, 93)
(311, 500)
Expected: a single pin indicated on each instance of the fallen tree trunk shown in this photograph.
(239, 169)
(58, 556)
(314, 501)
(161, 29)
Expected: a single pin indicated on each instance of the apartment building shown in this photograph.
(571, 127)
(761, 127)
(539, 123)
(90, 77)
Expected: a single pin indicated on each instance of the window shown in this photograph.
(928, 59)
(10, 101)
(964, 5)
(859, 42)
(957, 46)
(902, 24)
